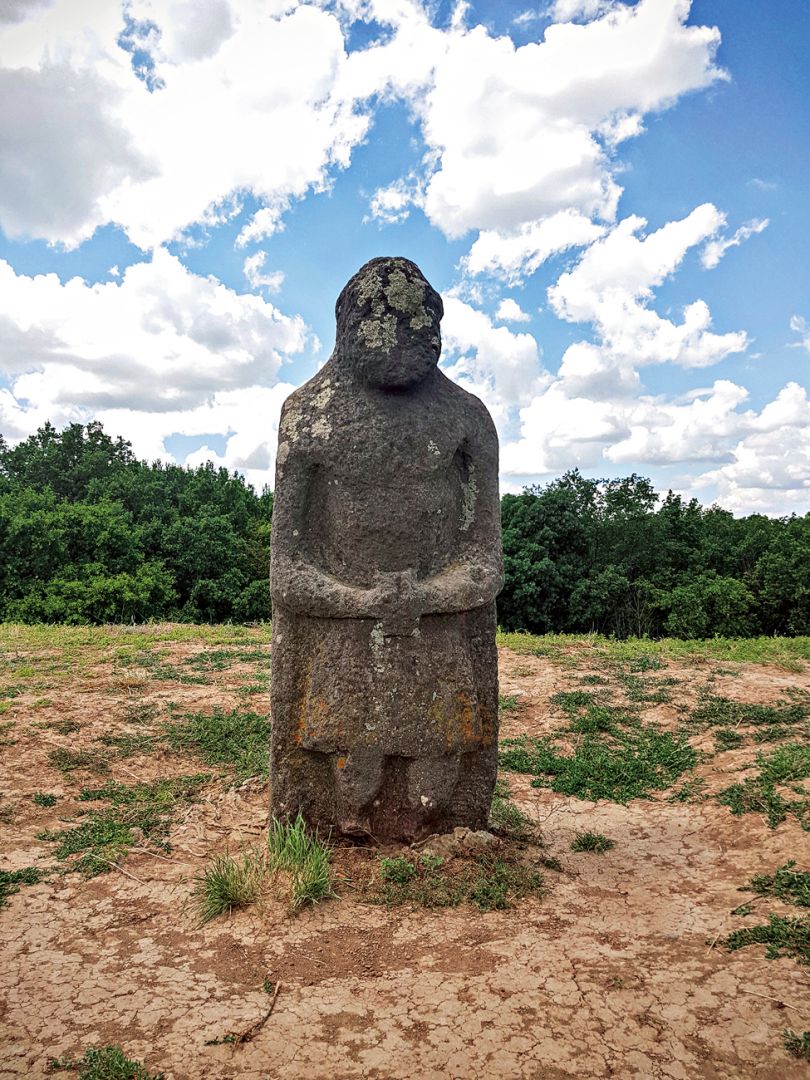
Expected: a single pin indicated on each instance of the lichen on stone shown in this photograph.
(408, 295)
(368, 286)
(469, 494)
(379, 333)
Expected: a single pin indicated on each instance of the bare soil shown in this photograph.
(618, 971)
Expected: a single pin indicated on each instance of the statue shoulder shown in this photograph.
(476, 416)
(303, 414)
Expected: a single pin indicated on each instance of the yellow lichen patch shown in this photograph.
(408, 295)
(379, 333)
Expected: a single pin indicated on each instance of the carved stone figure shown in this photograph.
(386, 560)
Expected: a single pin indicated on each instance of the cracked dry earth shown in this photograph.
(618, 971)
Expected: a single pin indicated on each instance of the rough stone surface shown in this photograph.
(386, 560)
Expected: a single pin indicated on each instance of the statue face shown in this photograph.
(388, 324)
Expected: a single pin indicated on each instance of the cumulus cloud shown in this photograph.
(799, 325)
(509, 310)
(516, 255)
(594, 411)
(612, 284)
(244, 100)
(14, 11)
(714, 250)
(162, 350)
(514, 135)
(517, 141)
(258, 277)
(393, 203)
(62, 150)
(500, 366)
(769, 470)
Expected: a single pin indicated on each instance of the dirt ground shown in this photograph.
(619, 970)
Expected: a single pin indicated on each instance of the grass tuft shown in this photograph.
(486, 881)
(104, 1063)
(782, 936)
(11, 880)
(229, 883)
(797, 1045)
(136, 812)
(592, 841)
(785, 883)
(44, 798)
(299, 852)
(785, 765)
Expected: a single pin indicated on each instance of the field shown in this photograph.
(642, 912)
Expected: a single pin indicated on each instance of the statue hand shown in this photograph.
(396, 602)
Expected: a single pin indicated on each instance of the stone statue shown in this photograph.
(386, 561)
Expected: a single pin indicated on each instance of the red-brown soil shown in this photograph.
(618, 971)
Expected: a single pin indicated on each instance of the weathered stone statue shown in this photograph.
(386, 560)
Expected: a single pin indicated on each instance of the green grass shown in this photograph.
(293, 848)
(67, 760)
(690, 790)
(5, 731)
(797, 1045)
(11, 880)
(727, 739)
(783, 937)
(223, 659)
(104, 1063)
(785, 883)
(158, 668)
(130, 744)
(16, 636)
(715, 711)
(486, 881)
(592, 841)
(506, 818)
(43, 798)
(791, 654)
(784, 766)
(641, 691)
(572, 700)
(229, 883)
(107, 834)
(619, 763)
(507, 704)
(237, 741)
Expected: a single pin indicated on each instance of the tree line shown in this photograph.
(90, 534)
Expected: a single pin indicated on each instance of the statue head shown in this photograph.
(388, 324)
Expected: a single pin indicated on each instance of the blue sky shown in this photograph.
(611, 198)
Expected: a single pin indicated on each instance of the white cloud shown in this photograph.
(566, 10)
(262, 98)
(258, 277)
(770, 468)
(509, 310)
(159, 351)
(248, 103)
(714, 250)
(517, 254)
(500, 366)
(799, 325)
(514, 128)
(393, 203)
(613, 282)
(13, 11)
(62, 150)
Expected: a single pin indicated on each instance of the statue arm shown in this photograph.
(296, 582)
(476, 577)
